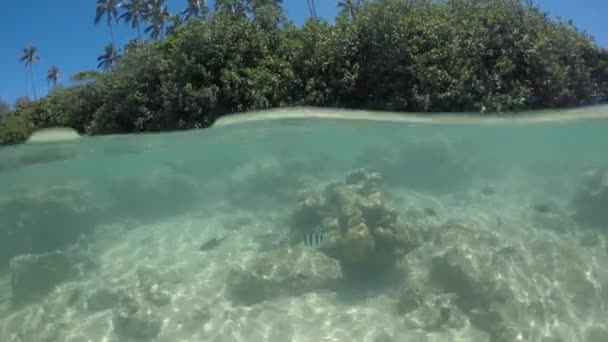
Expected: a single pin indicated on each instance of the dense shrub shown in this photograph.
(457, 55)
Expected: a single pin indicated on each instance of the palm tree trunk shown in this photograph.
(33, 82)
(314, 10)
(27, 86)
(309, 7)
(139, 32)
(112, 34)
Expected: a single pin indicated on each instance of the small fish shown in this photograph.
(212, 243)
(430, 211)
(542, 208)
(315, 239)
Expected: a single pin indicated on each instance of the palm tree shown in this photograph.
(158, 15)
(350, 7)
(236, 8)
(106, 61)
(53, 76)
(195, 8)
(135, 13)
(311, 8)
(256, 4)
(29, 58)
(109, 8)
(176, 21)
(268, 13)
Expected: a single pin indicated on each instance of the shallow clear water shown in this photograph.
(446, 231)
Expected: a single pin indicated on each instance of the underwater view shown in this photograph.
(311, 225)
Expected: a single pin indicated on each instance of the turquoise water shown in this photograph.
(455, 230)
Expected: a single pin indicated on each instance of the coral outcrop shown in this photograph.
(361, 228)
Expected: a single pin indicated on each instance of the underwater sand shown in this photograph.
(197, 282)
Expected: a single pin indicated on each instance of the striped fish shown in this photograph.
(315, 239)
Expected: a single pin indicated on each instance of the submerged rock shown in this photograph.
(428, 310)
(455, 273)
(103, 299)
(282, 272)
(410, 299)
(35, 275)
(467, 272)
(492, 323)
(135, 322)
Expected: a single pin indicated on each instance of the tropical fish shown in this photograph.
(211, 243)
(316, 239)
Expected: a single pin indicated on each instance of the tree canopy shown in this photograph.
(4, 109)
(415, 55)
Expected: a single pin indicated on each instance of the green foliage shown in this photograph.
(108, 58)
(22, 100)
(135, 12)
(232, 8)
(158, 15)
(109, 9)
(4, 109)
(85, 76)
(468, 55)
(414, 55)
(30, 57)
(15, 129)
(53, 75)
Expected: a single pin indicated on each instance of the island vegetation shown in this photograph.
(399, 55)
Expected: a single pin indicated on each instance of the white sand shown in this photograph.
(196, 281)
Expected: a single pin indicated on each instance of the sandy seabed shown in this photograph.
(559, 278)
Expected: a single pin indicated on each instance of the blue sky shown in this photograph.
(65, 35)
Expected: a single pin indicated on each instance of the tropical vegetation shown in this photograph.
(53, 76)
(30, 57)
(401, 55)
